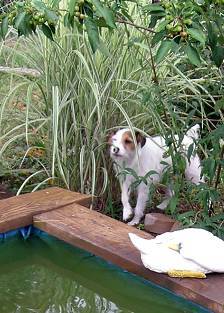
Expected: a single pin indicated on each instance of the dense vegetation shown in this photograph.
(107, 64)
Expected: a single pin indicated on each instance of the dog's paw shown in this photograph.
(127, 214)
(163, 205)
(135, 221)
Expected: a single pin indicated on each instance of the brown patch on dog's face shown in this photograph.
(128, 141)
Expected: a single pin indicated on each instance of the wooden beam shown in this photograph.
(108, 238)
(61, 213)
(18, 211)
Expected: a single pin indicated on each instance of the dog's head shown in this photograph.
(122, 146)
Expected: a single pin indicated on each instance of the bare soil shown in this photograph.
(4, 192)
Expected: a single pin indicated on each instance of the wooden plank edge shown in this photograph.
(161, 280)
(26, 219)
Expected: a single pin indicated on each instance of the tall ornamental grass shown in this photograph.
(78, 99)
(60, 134)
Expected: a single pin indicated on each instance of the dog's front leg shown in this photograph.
(141, 203)
(125, 193)
(164, 204)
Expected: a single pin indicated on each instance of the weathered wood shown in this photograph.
(108, 238)
(101, 235)
(20, 71)
(18, 211)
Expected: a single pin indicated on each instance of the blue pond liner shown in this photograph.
(25, 232)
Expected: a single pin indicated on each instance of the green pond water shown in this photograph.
(45, 275)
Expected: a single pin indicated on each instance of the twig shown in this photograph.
(219, 168)
(155, 77)
(20, 71)
(135, 25)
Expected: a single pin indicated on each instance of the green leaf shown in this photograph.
(101, 22)
(209, 167)
(52, 27)
(219, 23)
(212, 36)
(158, 14)
(163, 50)
(105, 12)
(127, 15)
(20, 4)
(161, 26)
(4, 26)
(153, 21)
(133, 40)
(219, 104)
(157, 37)
(218, 55)
(39, 5)
(71, 6)
(186, 215)
(93, 33)
(150, 173)
(190, 151)
(153, 8)
(47, 31)
(173, 204)
(23, 25)
(197, 34)
(55, 3)
(142, 45)
(51, 16)
(66, 20)
(19, 19)
(193, 55)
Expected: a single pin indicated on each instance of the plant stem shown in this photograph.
(155, 78)
(219, 168)
(121, 21)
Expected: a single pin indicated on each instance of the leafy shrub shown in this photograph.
(159, 69)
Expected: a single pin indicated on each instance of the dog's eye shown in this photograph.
(128, 141)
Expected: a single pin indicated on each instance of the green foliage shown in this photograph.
(93, 33)
(193, 25)
(163, 50)
(190, 24)
(77, 94)
(193, 55)
(92, 15)
(26, 16)
(160, 70)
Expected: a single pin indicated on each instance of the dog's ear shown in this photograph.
(140, 138)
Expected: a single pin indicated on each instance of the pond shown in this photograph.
(45, 275)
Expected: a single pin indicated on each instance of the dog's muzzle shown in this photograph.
(115, 150)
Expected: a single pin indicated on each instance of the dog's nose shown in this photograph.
(115, 150)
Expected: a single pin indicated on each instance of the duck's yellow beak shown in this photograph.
(174, 246)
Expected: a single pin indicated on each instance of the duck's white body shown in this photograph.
(199, 251)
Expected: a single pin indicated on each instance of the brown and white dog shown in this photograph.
(144, 157)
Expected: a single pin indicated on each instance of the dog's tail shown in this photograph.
(194, 132)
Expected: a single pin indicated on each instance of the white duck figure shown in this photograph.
(190, 252)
